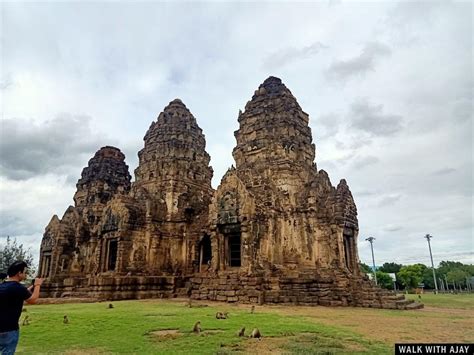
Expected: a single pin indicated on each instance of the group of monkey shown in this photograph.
(26, 320)
(196, 329)
(224, 315)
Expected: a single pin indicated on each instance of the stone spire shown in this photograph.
(174, 160)
(274, 145)
(273, 130)
(105, 175)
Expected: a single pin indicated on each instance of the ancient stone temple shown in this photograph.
(274, 231)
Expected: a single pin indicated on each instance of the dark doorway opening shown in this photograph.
(234, 250)
(205, 252)
(112, 255)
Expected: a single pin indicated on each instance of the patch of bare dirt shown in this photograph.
(166, 334)
(435, 325)
(266, 345)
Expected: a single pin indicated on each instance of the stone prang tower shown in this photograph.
(274, 231)
(275, 203)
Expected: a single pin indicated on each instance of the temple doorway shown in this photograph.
(205, 253)
(233, 250)
(112, 249)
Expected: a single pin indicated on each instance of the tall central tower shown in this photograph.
(174, 165)
(275, 209)
(274, 144)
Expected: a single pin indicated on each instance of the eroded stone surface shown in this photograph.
(275, 230)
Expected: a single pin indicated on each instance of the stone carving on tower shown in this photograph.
(287, 214)
(275, 230)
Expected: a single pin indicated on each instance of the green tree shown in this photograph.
(446, 266)
(458, 276)
(13, 251)
(469, 269)
(428, 278)
(411, 275)
(391, 268)
(366, 269)
(384, 280)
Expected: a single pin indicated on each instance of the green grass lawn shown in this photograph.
(133, 327)
(441, 300)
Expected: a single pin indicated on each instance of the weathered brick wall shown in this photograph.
(337, 289)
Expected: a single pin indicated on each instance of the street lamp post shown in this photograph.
(371, 241)
(428, 238)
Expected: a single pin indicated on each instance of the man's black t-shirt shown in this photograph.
(12, 296)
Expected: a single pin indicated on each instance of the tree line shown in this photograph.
(450, 276)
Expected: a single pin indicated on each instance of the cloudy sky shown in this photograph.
(388, 87)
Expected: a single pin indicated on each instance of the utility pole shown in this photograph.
(371, 241)
(428, 238)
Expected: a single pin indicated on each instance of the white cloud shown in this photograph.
(119, 64)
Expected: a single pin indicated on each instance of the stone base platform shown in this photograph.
(301, 288)
(117, 287)
(325, 288)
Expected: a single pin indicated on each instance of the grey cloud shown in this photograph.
(353, 142)
(28, 149)
(364, 193)
(359, 65)
(71, 179)
(360, 163)
(371, 119)
(444, 171)
(288, 55)
(462, 110)
(329, 124)
(408, 21)
(344, 159)
(389, 200)
(392, 228)
(177, 76)
(11, 224)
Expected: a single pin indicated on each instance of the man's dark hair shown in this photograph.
(3, 276)
(16, 267)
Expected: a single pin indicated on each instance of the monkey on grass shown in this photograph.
(197, 327)
(222, 315)
(256, 334)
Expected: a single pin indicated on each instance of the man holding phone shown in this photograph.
(12, 296)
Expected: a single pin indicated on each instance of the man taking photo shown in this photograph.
(12, 296)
